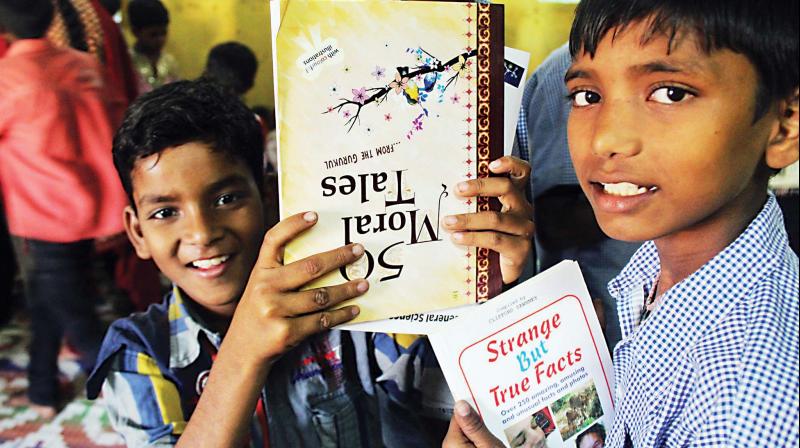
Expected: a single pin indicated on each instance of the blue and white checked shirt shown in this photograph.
(717, 363)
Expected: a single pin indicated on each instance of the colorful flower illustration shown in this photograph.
(360, 95)
(379, 73)
(415, 83)
(399, 84)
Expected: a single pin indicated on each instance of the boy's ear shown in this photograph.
(783, 149)
(134, 231)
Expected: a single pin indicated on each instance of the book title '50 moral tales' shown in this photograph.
(400, 213)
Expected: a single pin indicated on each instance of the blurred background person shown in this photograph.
(86, 26)
(149, 20)
(233, 66)
(58, 186)
(127, 282)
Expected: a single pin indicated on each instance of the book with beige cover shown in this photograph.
(382, 108)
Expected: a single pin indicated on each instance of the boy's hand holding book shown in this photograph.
(273, 315)
(509, 231)
(467, 430)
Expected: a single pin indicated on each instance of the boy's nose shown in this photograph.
(201, 228)
(616, 130)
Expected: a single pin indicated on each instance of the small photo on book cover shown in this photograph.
(531, 432)
(577, 410)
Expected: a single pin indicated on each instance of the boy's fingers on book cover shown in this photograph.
(319, 299)
(510, 223)
(297, 274)
(310, 324)
(510, 195)
(271, 254)
(518, 170)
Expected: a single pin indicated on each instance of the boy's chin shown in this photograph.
(627, 232)
(222, 303)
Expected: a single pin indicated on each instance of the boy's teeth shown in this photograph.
(209, 262)
(625, 189)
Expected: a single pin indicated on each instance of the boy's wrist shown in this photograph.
(242, 359)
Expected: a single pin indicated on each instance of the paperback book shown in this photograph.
(382, 108)
(533, 362)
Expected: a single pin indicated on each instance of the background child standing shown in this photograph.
(149, 23)
(58, 185)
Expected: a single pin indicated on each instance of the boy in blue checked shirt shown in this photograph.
(681, 111)
(189, 157)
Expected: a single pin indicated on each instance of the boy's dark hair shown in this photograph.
(764, 31)
(183, 112)
(233, 66)
(26, 19)
(597, 428)
(146, 13)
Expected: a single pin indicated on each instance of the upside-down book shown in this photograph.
(383, 107)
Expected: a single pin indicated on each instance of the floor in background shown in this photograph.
(80, 424)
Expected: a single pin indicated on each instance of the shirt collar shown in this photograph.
(184, 329)
(26, 46)
(696, 303)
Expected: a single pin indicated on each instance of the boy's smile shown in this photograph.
(199, 216)
(663, 140)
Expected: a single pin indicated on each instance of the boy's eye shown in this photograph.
(227, 198)
(163, 213)
(670, 95)
(583, 98)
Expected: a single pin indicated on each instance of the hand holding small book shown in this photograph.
(509, 231)
(467, 430)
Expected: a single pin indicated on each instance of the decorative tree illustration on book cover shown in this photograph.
(378, 109)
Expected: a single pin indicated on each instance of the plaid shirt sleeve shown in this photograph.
(143, 405)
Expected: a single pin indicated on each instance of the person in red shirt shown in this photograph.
(58, 186)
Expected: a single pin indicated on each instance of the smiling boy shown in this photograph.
(236, 353)
(681, 111)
